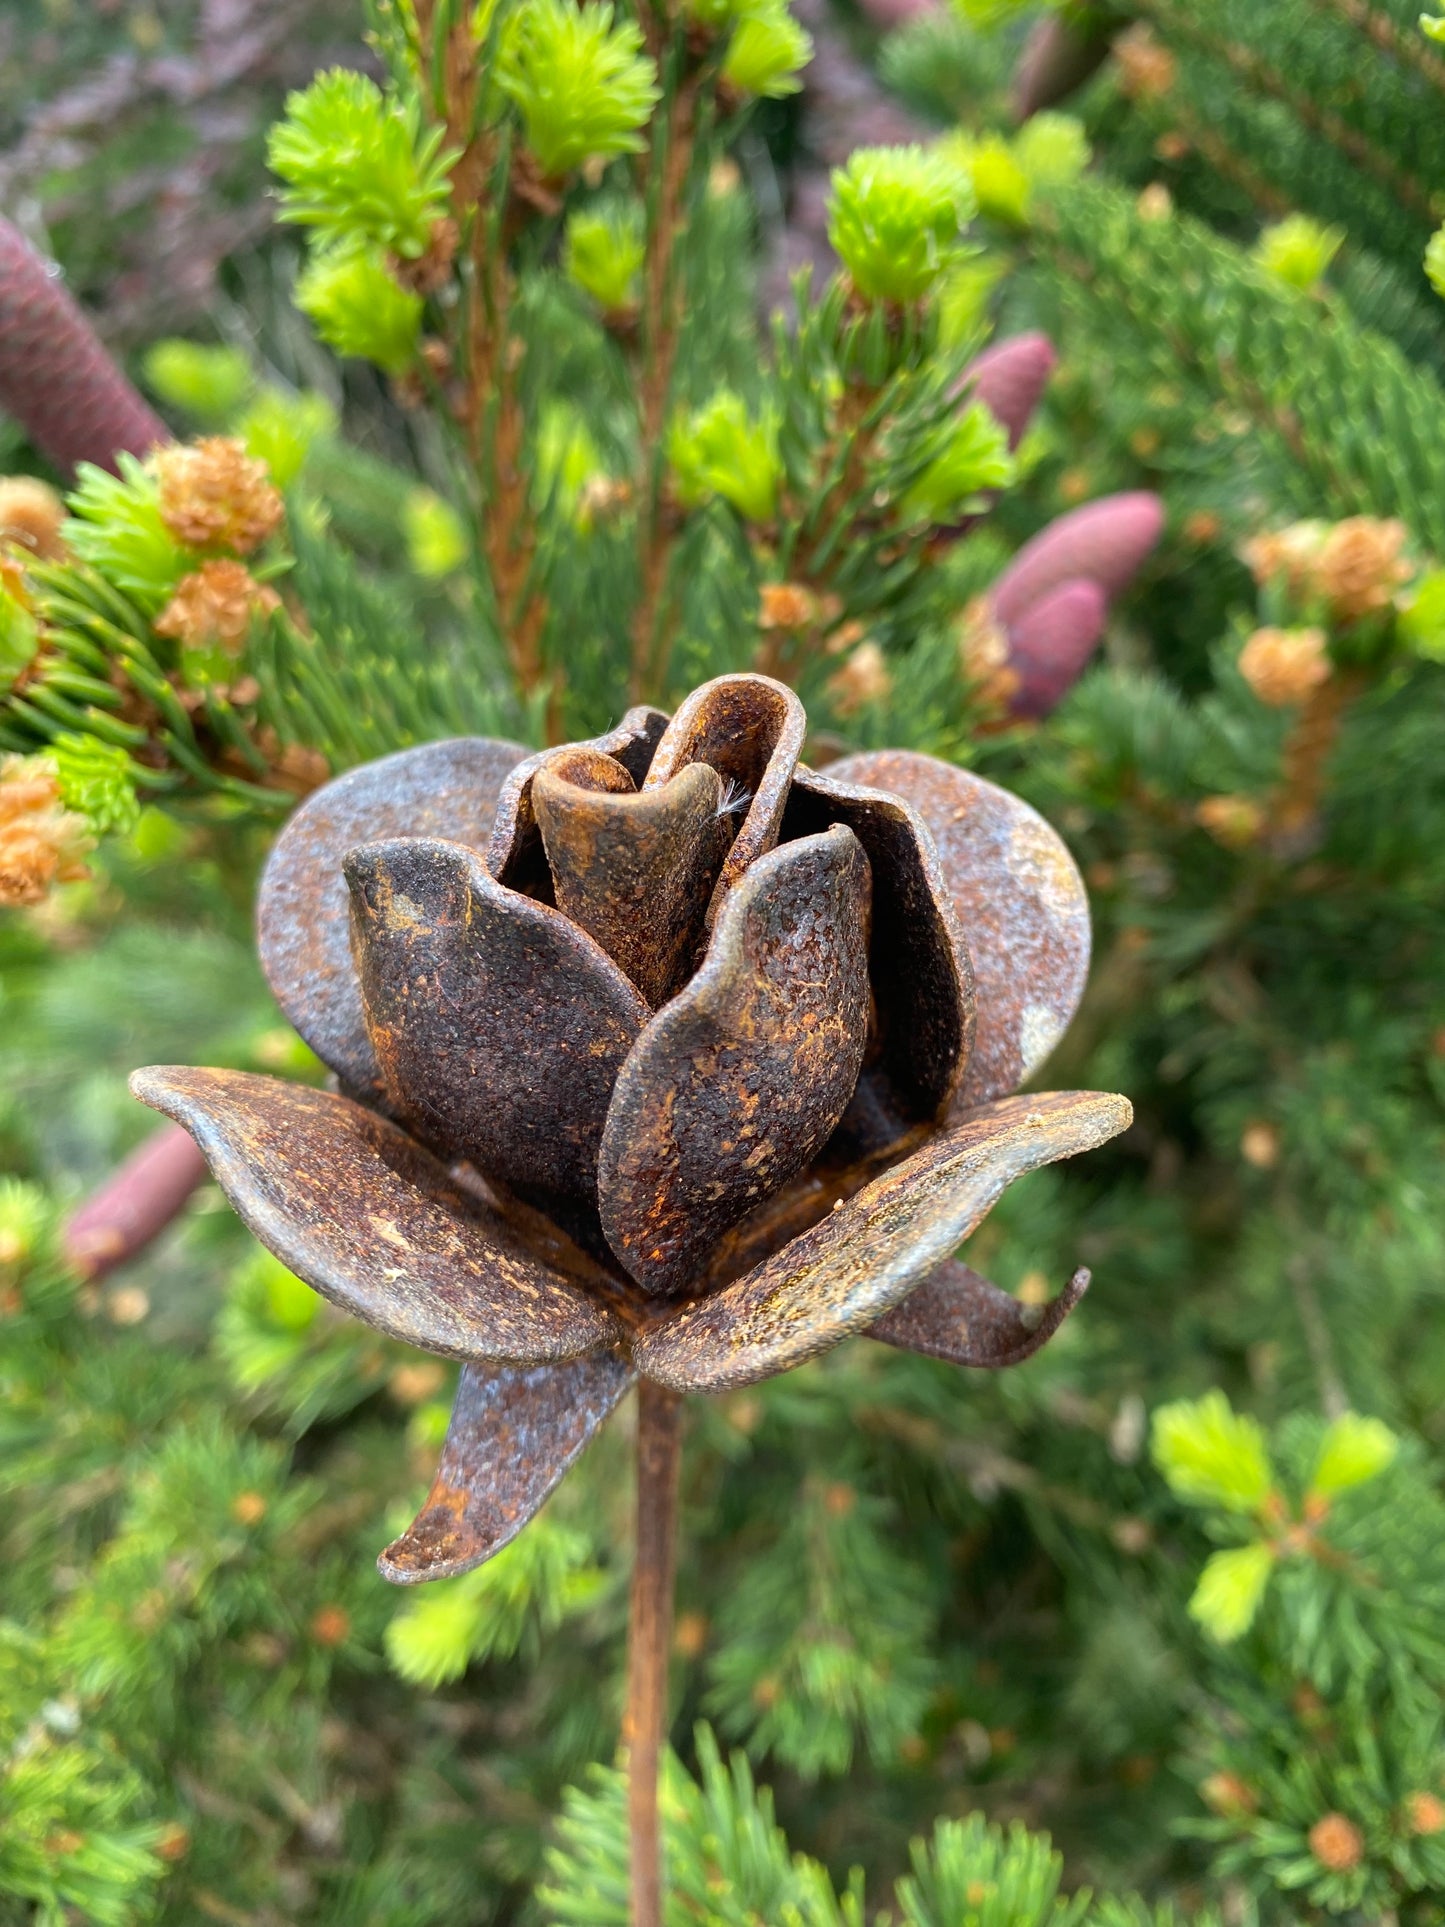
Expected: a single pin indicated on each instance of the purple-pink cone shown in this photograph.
(136, 1202)
(1058, 57)
(1053, 599)
(888, 14)
(55, 376)
(1010, 378)
(1106, 542)
(1050, 643)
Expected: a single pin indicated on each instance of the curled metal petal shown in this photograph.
(498, 1025)
(959, 1316)
(797, 1208)
(374, 1223)
(741, 1079)
(918, 960)
(873, 1249)
(302, 915)
(750, 729)
(1020, 901)
(513, 1434)
(514, 852)
(635, 872)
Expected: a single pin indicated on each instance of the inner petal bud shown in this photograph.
(617, 761)
(749, 729)
(635, 871)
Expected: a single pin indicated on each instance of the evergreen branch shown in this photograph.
(1258, 73)
(1352, 415)
(1404, 43)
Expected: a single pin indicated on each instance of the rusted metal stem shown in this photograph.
(659, 1453)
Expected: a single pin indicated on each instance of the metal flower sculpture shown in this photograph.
(661, 1058)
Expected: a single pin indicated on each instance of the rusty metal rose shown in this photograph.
(660, 1056)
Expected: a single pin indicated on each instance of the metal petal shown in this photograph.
(959, 1316)
(512, 1437)
(303, 915)
(873, 1250)
(1020, 901)
(797, 1208)
(499, 1026)
(918, 960)
(514, 854)
(741, 1079)
(636, 872)
(374, 1223)
(749, 729)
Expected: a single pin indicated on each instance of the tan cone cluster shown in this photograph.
(214, 495)
(1234, 821)
(1360, 565)
(983, 654)
(1353, 567)
(1284, 666)
(863, 681)
(31, 514)
(41, 842)
(1337, 1843)
(215, 606)
(1147, 69)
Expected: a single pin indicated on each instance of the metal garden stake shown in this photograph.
(660, 1060)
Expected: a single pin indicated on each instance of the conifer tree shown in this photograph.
(1145, 1632)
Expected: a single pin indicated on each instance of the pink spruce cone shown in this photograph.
(888, 14)
(1050, 643)
(136, 1202)
(1107, 542)
(1010, 378)
(55, 377)
(1058, 57)
(1052, 601)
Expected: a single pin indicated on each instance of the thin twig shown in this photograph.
(1294, 810)
(661, 320)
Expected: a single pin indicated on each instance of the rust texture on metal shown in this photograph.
(360, 1211)
(918, 962)
(515, 855)
(750, 729)
(872, 1250)
(1021, 905)
(514, 1432)
(959, 1316)
(798, 1207)
(741, 1079)
(636, 871)
(499, 1026)
(657, 1039)
(302, 913)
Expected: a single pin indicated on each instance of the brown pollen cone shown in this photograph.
(213, 494)
(41, 842)
(216, 604)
